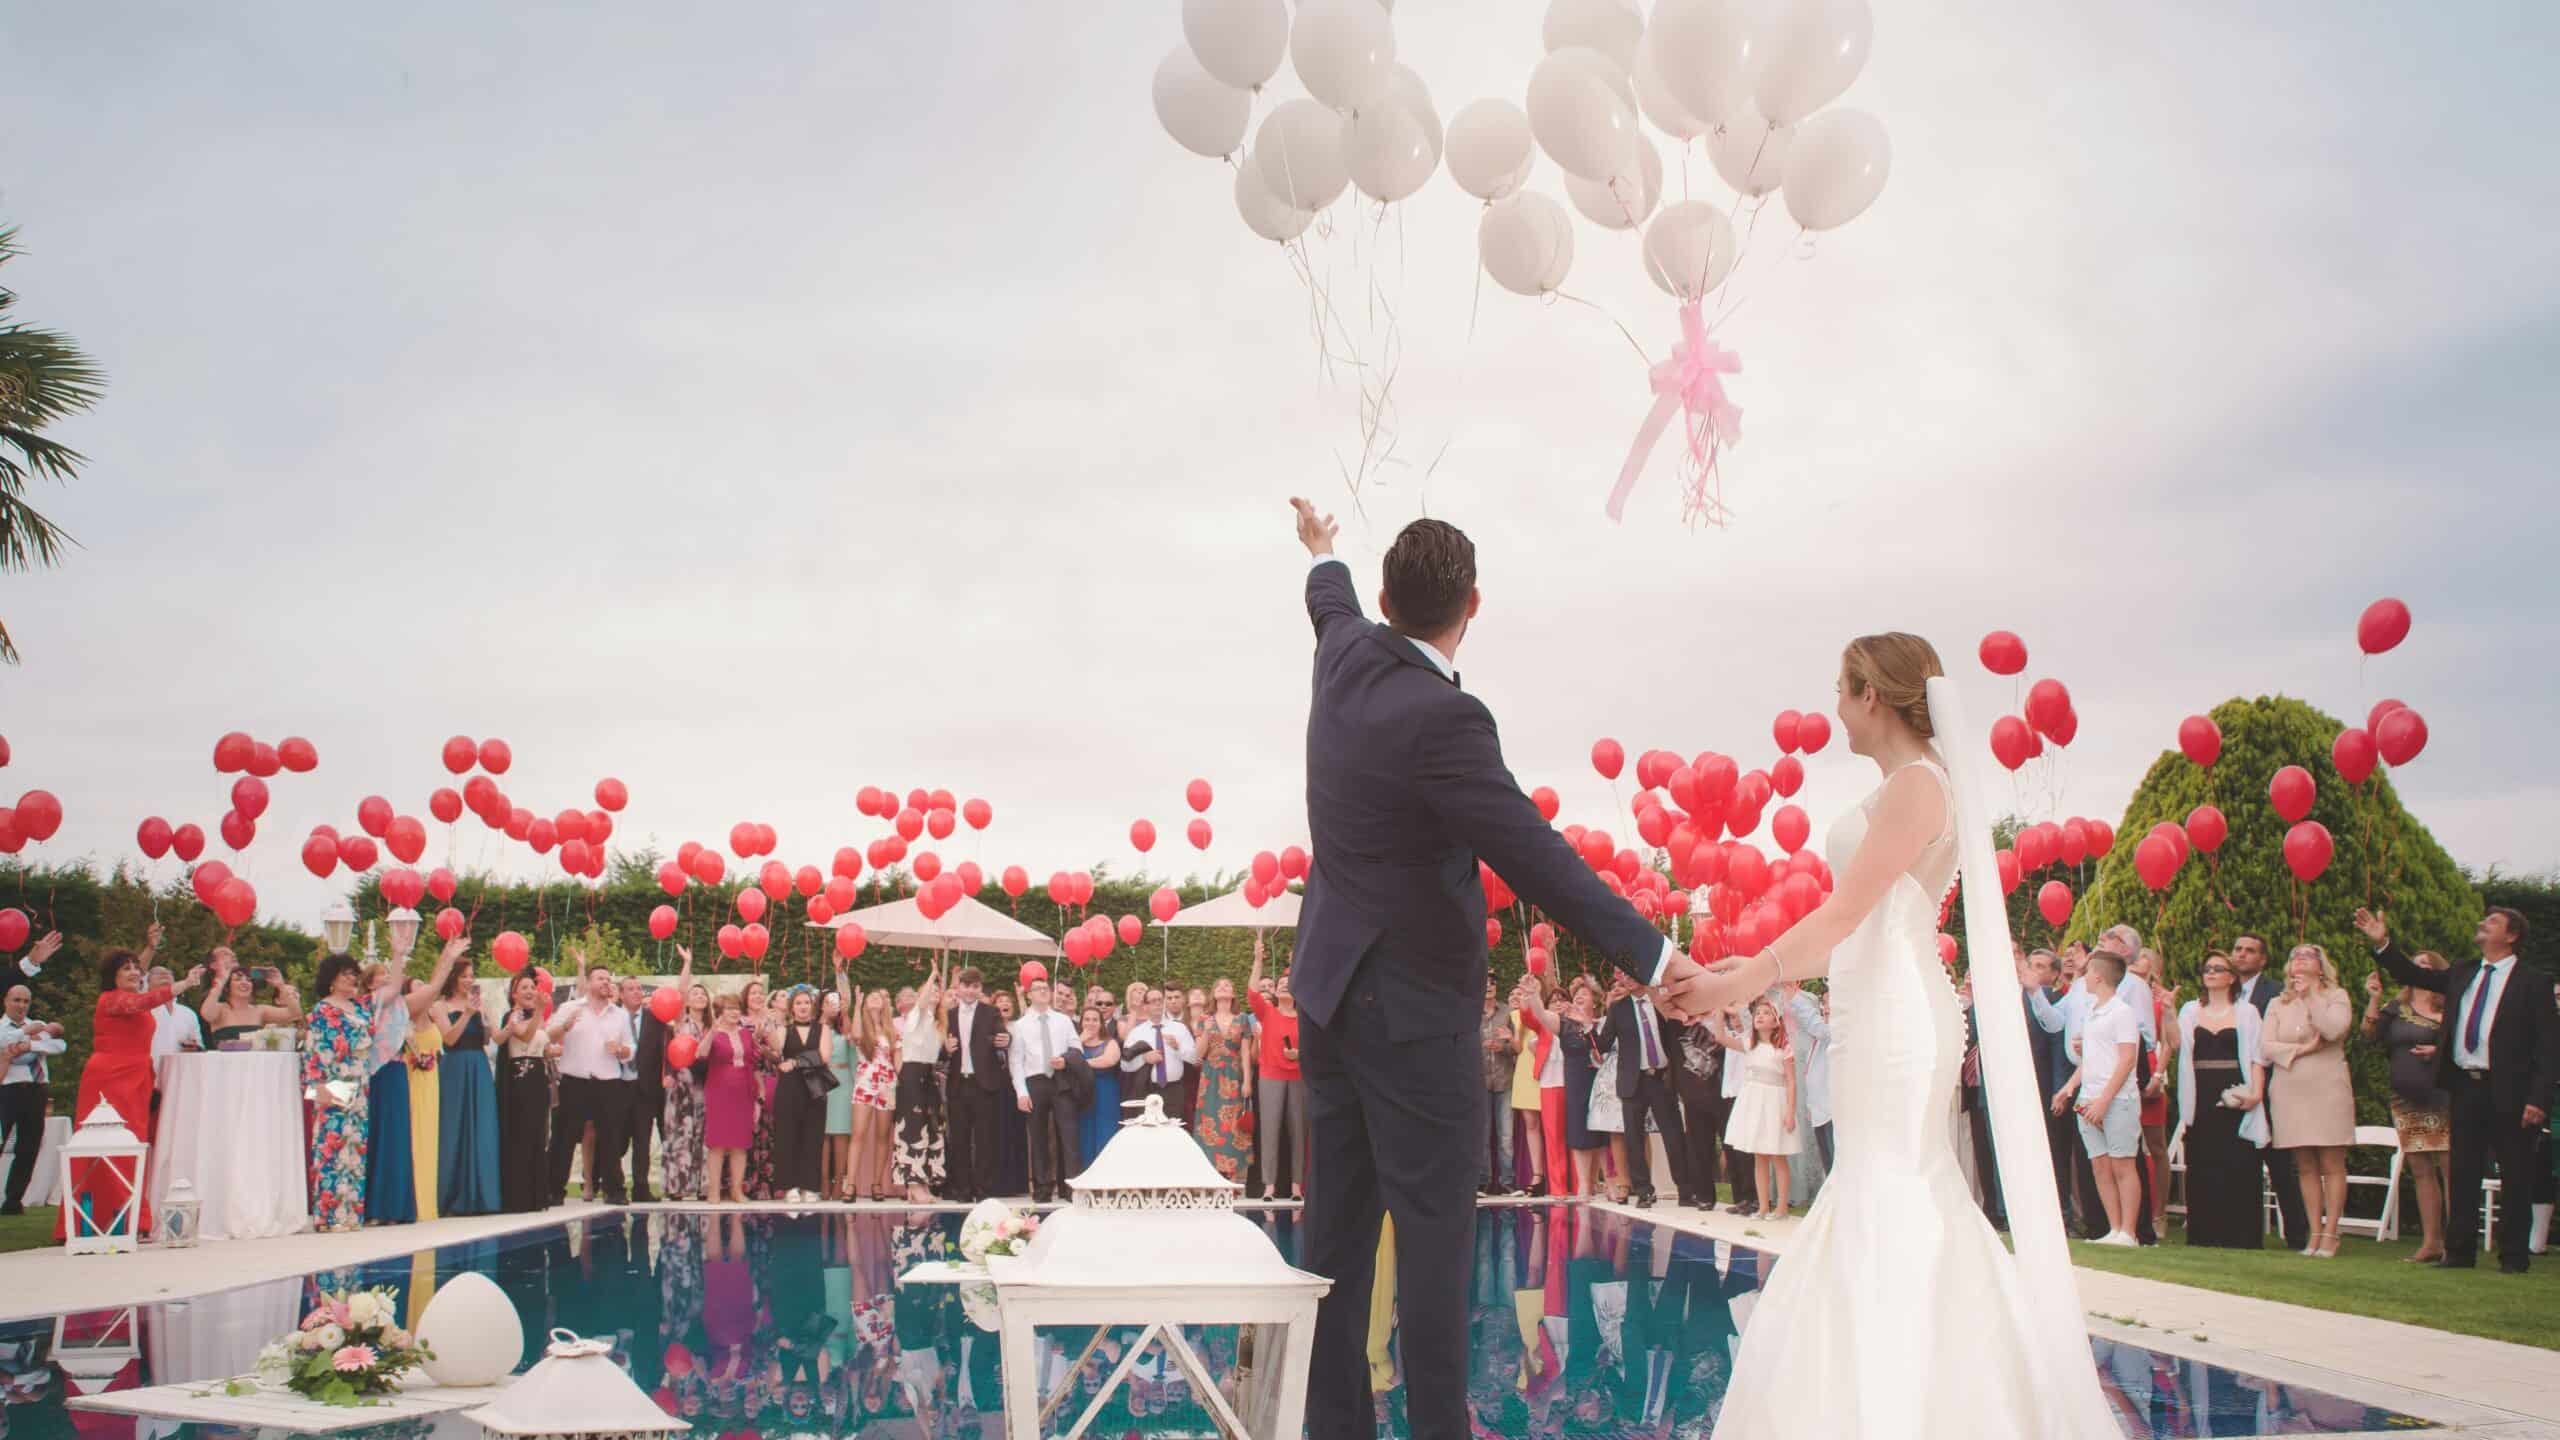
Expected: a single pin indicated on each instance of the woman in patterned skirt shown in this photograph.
(2411, 1026)
(1219, 1111)
(875, 1097)
(680, 1119)
(917, 1163)
(336, 1068)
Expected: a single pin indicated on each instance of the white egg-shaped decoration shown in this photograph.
(472, 1328)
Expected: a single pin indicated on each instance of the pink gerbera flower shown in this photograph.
(354, 1358)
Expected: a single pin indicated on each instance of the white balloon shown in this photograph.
(1204, 114)
(1239, 41)
(1579, 117)
(1266, 214)
(1689, 249)
(1489, 149)
(1710, 53)
(1656, 100)
(473, 1330)
(1622, 201)
(1816, 50)
(1391, 151)
(1406, 89)
(1750, 154)
(1611, 27)
(1299, 152)
(1526, 241)
(1345, 50)
(1836, 168)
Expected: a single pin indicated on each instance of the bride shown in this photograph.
(1895, 1309)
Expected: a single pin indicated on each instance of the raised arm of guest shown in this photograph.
(423, 998)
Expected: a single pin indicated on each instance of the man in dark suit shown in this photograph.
(1703, 1111)
(975, 1077)
(1645, 1043)
(649, 1099)
(2260, 989)
(2497, 1060)
(1406, 796)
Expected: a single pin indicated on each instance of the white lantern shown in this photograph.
(1152, 1191)
(473, 1330)
(338, 926)
(575, 1389)
(173, 1225)
(94, 1347)
(101, 1143)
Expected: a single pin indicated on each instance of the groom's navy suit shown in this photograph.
(1406, 791)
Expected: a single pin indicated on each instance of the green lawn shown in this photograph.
(2365, 1279)
(31, 1231)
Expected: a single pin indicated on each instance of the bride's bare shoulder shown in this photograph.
(1914, 796)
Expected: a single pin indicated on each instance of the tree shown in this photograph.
(44, 378)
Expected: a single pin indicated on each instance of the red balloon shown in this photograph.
(2010, 741)
(2384, 624)
(2053, 901)
(1079, 947)
(2200, 739)
(1132, 930)
(14, 929)
(1015, 881)
(919, 799)
(940, 799)
(576, 857)
(187, 842)
(940, 823)
(1080, 888)
(1164, 904)
(927, 865)
(406, 838)
(237, 902)
(1654, 826)
(751, 905)
(1142, 835)
(510, 951)
(1293, 864)
(868, 799)
(2307, 848)
(612, 794)
(402, 888)
(444, 804)
(2035, 851)
(2402, 736)
(757, 940)
(2291, 792)
(2102, 837)
(207, 880)
(1597, 848)
(1947, 944)
(1609, 758)
(774, 879)
(2373, 717)
(2067, 728)
(248, 796)
(2011, 872)
(1544, 797)
(231, 752)
(1813, 732)
(2003, 653)
(519, 824)
(297, 755)
(2170, 831)
(263, 760)
(841, 892)
(910, 824)
(682, 1051)
(851, 941)
(2206, 829)
(1198, 795)
(978, 813)
(1059, 889)
(2354, 754)
(972, 879)
(666, 1002)
(1783, 730)
(154, 837)
(2047, 703)
(237, 830)
(1266, 868)
(450, 924)
(1254, 893)
(1790, 828)
(1747, 870)
(2156, 861)
(460, 755)
(541, 834)
(731, 940)
(662, 922)
(1540, 962)
(1787, 776)
(495, 757)
(320, 855)
(708, 866)
(2075, 842)
(807, 880)
(1199, 833)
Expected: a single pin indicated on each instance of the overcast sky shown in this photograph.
(761, 404)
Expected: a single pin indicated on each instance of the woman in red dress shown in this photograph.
(119, 1069)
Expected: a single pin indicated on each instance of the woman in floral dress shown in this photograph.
(1218, 1113)
(680, 1121)
(917, 1162)
(340, 1055)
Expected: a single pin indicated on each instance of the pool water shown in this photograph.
(1584, 1324)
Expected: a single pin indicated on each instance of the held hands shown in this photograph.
(1315, 531)
(1688, 990)
(2373, 926)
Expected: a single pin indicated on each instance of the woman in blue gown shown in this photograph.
(1102, 1056)
(467, 1104)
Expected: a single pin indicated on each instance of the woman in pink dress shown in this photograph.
(729, 1101)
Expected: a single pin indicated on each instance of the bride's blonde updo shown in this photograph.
(1897, 667)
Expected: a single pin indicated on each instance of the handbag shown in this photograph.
(817, 1080)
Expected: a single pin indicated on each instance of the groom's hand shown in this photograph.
(1684, 991)
(1315, 531)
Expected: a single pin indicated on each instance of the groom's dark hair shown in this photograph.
(1430, 572)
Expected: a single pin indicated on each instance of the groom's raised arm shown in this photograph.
(1466, 784)
(1329, 593)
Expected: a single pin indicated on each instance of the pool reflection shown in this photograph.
(1582, 1324)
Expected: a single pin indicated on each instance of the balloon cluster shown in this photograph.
(2038, 847)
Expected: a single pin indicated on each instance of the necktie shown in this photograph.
(968, 1040)
(1159, 1034)
(2479, 1008)
(1040, 1051)
(1652, 1036)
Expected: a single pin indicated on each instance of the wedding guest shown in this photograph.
(119, 1068)
(25, 1099)
(1102, 1057)
(1809, 1036)
(1282, 1131)
(2410, 1026)
(1221, 1100)
(729, 1099)
(174, 1027)
(1643, 1043)
(973, 1079)
(2499, 1072)
(467, 1103)
(231, 1007)
(334, 1068)
(524, 1099)
(1157, 1052)
(875, 1098)
(916, 1147)
(389, 1173)
(1042, 1041)
(645, 1091)
(1013, 1128)
(2258, 990)
(2155, 1089)
(2220, 1084)
(761, 1020)
(1738, 1164)
(1594, 1118)
(800, 1105)
(836, 1010)
(1529, 1049)
(424, 1051)
(1499, 1046)
(594, 1036)
(1703, 1110)
(2038, 977)
(1133, 1009)
(2108, 1097)
(2315, 1110)
(682, 1163)
(1763, 1122)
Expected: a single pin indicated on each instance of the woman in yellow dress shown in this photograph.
(425, 1047)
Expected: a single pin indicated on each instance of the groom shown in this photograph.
(1406, 792)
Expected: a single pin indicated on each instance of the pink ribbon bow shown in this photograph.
(1690, 382)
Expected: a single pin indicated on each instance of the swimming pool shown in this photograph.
(1584, 1323)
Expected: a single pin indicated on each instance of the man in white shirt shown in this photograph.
(24, 1099)
(1152, 1060)
(1042, 1039)
(2109, 1098)
(594, 1036)
(174, 1026)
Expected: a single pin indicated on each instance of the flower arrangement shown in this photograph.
(347, 1351)
(995, 1228)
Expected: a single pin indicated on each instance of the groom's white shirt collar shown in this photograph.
(1448, 668)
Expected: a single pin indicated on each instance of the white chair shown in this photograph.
(2386, 1225)
(2490, 1190)
(2177, 1171)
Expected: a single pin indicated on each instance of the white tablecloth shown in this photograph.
(231, 1122)
(46, 1183)
(218, 1336)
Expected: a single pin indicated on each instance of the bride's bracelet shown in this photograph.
(1777, 967)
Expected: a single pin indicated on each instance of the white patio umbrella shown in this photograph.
(968, 926)
(1232, 911)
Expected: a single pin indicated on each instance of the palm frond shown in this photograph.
(8, 647)
(27, 538)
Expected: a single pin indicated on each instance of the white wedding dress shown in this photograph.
(1895, 1310)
